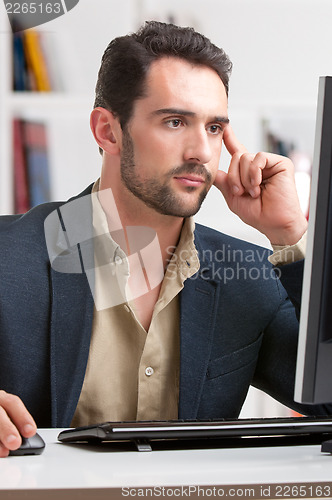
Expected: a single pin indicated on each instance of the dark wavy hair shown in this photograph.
(127, 59)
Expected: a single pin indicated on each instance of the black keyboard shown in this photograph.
(206, 433)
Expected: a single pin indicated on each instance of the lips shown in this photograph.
(190, 180)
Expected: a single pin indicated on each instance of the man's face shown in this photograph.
(171, 146)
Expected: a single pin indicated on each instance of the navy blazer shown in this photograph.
(238, 325)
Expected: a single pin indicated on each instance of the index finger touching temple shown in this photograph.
(233, 145)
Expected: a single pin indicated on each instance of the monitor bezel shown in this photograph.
(313, 381)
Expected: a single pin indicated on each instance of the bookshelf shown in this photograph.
(73, 60)
(5, 134)
(45, 107)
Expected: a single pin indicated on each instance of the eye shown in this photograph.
(215, 129)
(174, 123)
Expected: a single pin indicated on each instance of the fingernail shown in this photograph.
(235, 189)
(10, 439)
(28, 428)
(252, 193)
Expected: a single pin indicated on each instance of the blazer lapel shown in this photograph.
(198, 301)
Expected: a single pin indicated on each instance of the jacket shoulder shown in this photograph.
(210, 240)
(32, 221)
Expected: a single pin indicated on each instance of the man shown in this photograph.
(100, 322)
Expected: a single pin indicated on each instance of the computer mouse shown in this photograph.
(30, 446)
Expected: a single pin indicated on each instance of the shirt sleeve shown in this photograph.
(288, 253)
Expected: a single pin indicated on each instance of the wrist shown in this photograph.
(288, 236)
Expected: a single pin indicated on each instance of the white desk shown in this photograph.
(75, 467)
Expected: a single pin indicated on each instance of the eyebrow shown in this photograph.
(184, 112)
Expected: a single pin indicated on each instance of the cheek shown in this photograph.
(146, 140)
(153, 147)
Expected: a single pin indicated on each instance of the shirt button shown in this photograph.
(149, 371)
(118, 260)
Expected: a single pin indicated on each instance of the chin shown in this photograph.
(180, 209)
(191, 207)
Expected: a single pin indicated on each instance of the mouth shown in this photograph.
(190, 180)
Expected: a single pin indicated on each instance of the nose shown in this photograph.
(198, 147)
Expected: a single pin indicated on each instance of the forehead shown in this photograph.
(174, 82)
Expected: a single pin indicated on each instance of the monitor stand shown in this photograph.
(142, 445)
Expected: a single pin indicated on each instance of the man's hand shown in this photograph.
(261, 190)
(15, 420)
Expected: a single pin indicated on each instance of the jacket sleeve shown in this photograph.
(275, 371)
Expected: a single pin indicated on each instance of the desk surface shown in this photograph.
(76, 466)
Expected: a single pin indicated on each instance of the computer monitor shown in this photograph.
(313, 383)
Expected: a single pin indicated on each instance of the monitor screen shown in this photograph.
(313, 383)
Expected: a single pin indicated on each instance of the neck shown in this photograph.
(133, 212)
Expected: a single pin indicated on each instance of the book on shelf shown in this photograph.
(30, 68)
(21, 188)
(31, 165)
(20, 75)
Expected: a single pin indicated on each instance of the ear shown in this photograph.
(107, 130)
